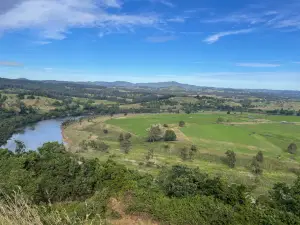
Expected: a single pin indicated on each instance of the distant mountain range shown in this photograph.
(174, 85)
(149, 85)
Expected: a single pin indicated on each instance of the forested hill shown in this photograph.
(169, 86)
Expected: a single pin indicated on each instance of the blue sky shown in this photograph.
(233, 43)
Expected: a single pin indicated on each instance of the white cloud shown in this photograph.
(160, 39)
(112, 3)
(164, 2)
(258, 65)
(53, 19)
(177, 19)
(280, 16)
(10, 64)
(214, 38)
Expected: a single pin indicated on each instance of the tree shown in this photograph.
(184, 153)
(21, 96)
(220, 120)
(256, 166)
(230, 158)
(292, 149)
(192, 152)
(102, 147)
(125, 146)
(121, 137)
(127, 136)
(149, 157)
(170, 135)
(20, 147)
(181, 123)
(105, 131)
(155, 133)
(259, 157)
(30, 97)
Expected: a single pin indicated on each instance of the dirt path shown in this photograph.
(119, 207)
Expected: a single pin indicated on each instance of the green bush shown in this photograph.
(170, 135)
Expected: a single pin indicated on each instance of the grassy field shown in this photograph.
(246, 134)
(41, 103)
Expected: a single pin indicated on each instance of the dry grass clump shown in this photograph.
(15, 209)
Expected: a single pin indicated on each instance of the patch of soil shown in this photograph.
(140, 219)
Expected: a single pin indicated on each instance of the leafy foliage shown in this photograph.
(292, 148)
(256, 166)
(170, 135)
(181, 123)
(155, 133)
(230, 158)
(259, 157)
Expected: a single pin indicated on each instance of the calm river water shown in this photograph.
(36, 135)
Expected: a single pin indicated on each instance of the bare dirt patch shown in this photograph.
(140, 219)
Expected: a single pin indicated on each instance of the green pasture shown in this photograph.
(246, 134)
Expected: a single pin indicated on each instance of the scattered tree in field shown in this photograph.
(228, 112)
(125, 114)
(20, 147)
(220, 120)
(105, 131)
(30, 97)
(230, 158)
(181, 123)
(193, 152)
(101, 146)
(121, 137)
(155, 133)
(149, 157)
(126, 146)
(127, 136)
(21, 96)
(170, 135)
(259, 157)
(166, 125)
(256, 166)
(184, 153)
(292, 149)
(98, 145)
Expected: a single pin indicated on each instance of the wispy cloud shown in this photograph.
(42, 42)
(54, 19)
(10, 64)
(111, 3)
(214, 38)
(258, 65)
(164, 2)
(297, 62)
(160, 39)
(177, 19)
(283, 16)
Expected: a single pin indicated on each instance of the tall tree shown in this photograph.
(230, 158)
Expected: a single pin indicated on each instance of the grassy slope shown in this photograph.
(243, 135)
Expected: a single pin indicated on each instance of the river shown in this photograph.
(36, 135)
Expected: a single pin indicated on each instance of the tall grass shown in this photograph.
(15, 209)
